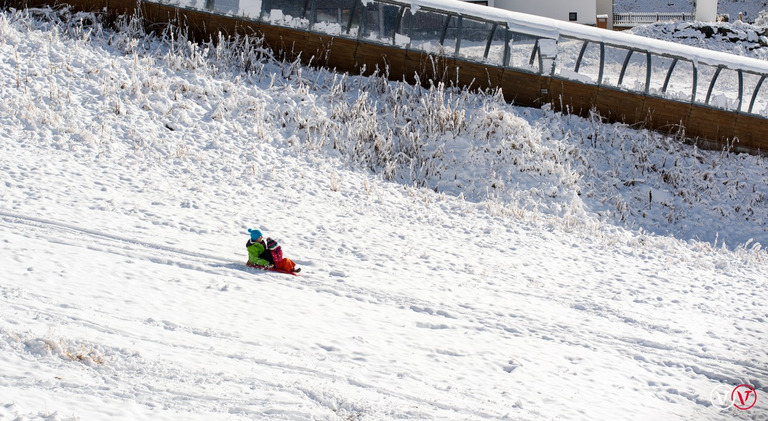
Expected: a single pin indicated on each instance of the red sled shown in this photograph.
(272, 269)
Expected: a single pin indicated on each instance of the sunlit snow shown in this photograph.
(462, 258)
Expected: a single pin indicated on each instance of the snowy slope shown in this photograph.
(733, 38)
(130, 169)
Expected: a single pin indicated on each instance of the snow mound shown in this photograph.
(733, 38)
(749, 10)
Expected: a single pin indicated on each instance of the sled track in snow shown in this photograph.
(447, 316)
(216, 265)
(36, 222)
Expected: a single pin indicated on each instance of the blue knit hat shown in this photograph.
(255, 234)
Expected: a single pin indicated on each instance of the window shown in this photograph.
(573, 16)
(426, 29)
(475, 36)
(292, 13)
(338, 17)
(379, 21)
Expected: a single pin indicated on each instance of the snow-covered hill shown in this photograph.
(749, 9)
(733, 38)
(463, 258)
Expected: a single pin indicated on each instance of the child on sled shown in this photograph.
(267, 253)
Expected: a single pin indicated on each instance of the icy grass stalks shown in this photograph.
(660, 184)
(534, 164)
(752, 251)
(422, 137)
(448, 140)
(542, 164)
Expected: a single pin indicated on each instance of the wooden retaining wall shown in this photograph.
(709, 126)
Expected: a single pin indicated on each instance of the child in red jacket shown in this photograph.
(267, 253)
(280, 262)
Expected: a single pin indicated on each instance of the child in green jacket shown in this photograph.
(267, 253)
(257, 250)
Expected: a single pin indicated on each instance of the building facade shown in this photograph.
(577, 11)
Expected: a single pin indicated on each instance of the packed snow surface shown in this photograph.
(462, 258)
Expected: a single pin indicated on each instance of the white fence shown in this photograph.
(635, 19)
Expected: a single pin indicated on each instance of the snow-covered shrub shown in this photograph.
(517, 162)
(762, 18)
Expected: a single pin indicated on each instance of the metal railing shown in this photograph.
(662, 85)
(635, 19)
(525, 43)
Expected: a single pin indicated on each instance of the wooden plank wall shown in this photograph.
(572, 97)
(712, 127)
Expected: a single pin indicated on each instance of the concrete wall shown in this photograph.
(586, 10)
(706, 10)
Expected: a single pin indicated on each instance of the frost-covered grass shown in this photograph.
(532, 163)
(463, 258)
